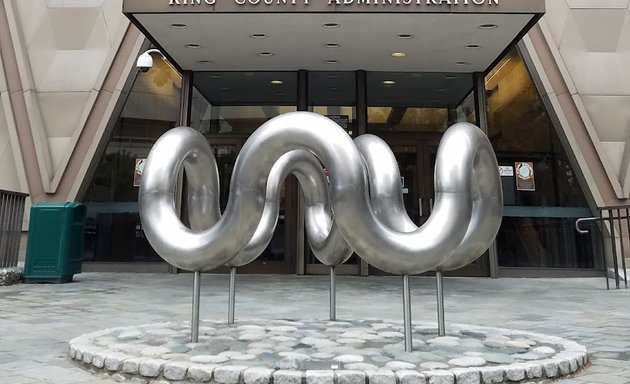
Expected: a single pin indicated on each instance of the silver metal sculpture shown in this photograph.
(465, 218)
(324, 237)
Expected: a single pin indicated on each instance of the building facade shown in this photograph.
(544, 79)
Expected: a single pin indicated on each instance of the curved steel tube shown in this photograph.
(385, 183)
(487, 211)
(392, 247)
(485, 188)
(327, 243)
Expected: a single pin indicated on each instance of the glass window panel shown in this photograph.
(541, 242)
(465, 112)
(416, 102)
(151, 109)
(229, 106)
(521, 130)
(413, 89)
(403, 119)
(333, 94)
(331, 88)
(237, 103)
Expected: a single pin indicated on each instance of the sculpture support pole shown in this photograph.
(440, 303)
(232, 299)
(333, 294)
(194, 323)
(407, 313)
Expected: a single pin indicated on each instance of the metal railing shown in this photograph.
(614, 222)
(11, 214)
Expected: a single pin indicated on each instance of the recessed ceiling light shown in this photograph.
(332, 61)
(330, 25)
(257, 35)
(193, 46)
(473, 46)
(399, 54)
(277, 82)
(488, 26)
(405, 36)
(332, 45)
(265, 54)
(389, 82)
(462, 63)
(178, 26)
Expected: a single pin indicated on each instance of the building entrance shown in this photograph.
(405, 81)
(410, 111)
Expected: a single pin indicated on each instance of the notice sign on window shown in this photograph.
(506, 171)
(137, 173)
(342, 120)
(525, 176)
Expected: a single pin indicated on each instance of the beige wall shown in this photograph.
(58, 88)
(582, 50)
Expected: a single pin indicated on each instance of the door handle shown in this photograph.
(420, 206)
(430, 206)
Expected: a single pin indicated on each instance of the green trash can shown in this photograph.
(55, 242)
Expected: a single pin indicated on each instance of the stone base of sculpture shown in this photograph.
(327, 352)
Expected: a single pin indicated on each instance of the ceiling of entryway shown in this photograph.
(234, 42)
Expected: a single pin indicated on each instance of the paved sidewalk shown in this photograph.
(37, 321)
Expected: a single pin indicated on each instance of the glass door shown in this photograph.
(332, 94)
(227, 108)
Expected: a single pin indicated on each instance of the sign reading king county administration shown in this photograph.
(341, 2)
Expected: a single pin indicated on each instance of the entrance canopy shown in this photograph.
(444, 36)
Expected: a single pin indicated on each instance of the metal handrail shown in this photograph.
(611, 217)
(11, 216)
(584, 220)
(14, 193)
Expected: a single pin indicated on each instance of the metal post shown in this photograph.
(4, 203)
(481, 113)
(407, 314)
(194, 325)
(185, 109)
(623, 254)
(333, 294)
(292, 187)
(361, 123)
(14, 243)
(440, 303)
(613, 243)
(602, 235)
(232, 299)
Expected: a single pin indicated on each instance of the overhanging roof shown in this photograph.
(445, 38)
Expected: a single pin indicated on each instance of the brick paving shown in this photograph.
(37, 321)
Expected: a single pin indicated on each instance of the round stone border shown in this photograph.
(151, 370)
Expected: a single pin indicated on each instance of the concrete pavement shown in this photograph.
(37, 321)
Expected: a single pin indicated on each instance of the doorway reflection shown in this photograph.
(227, 107)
